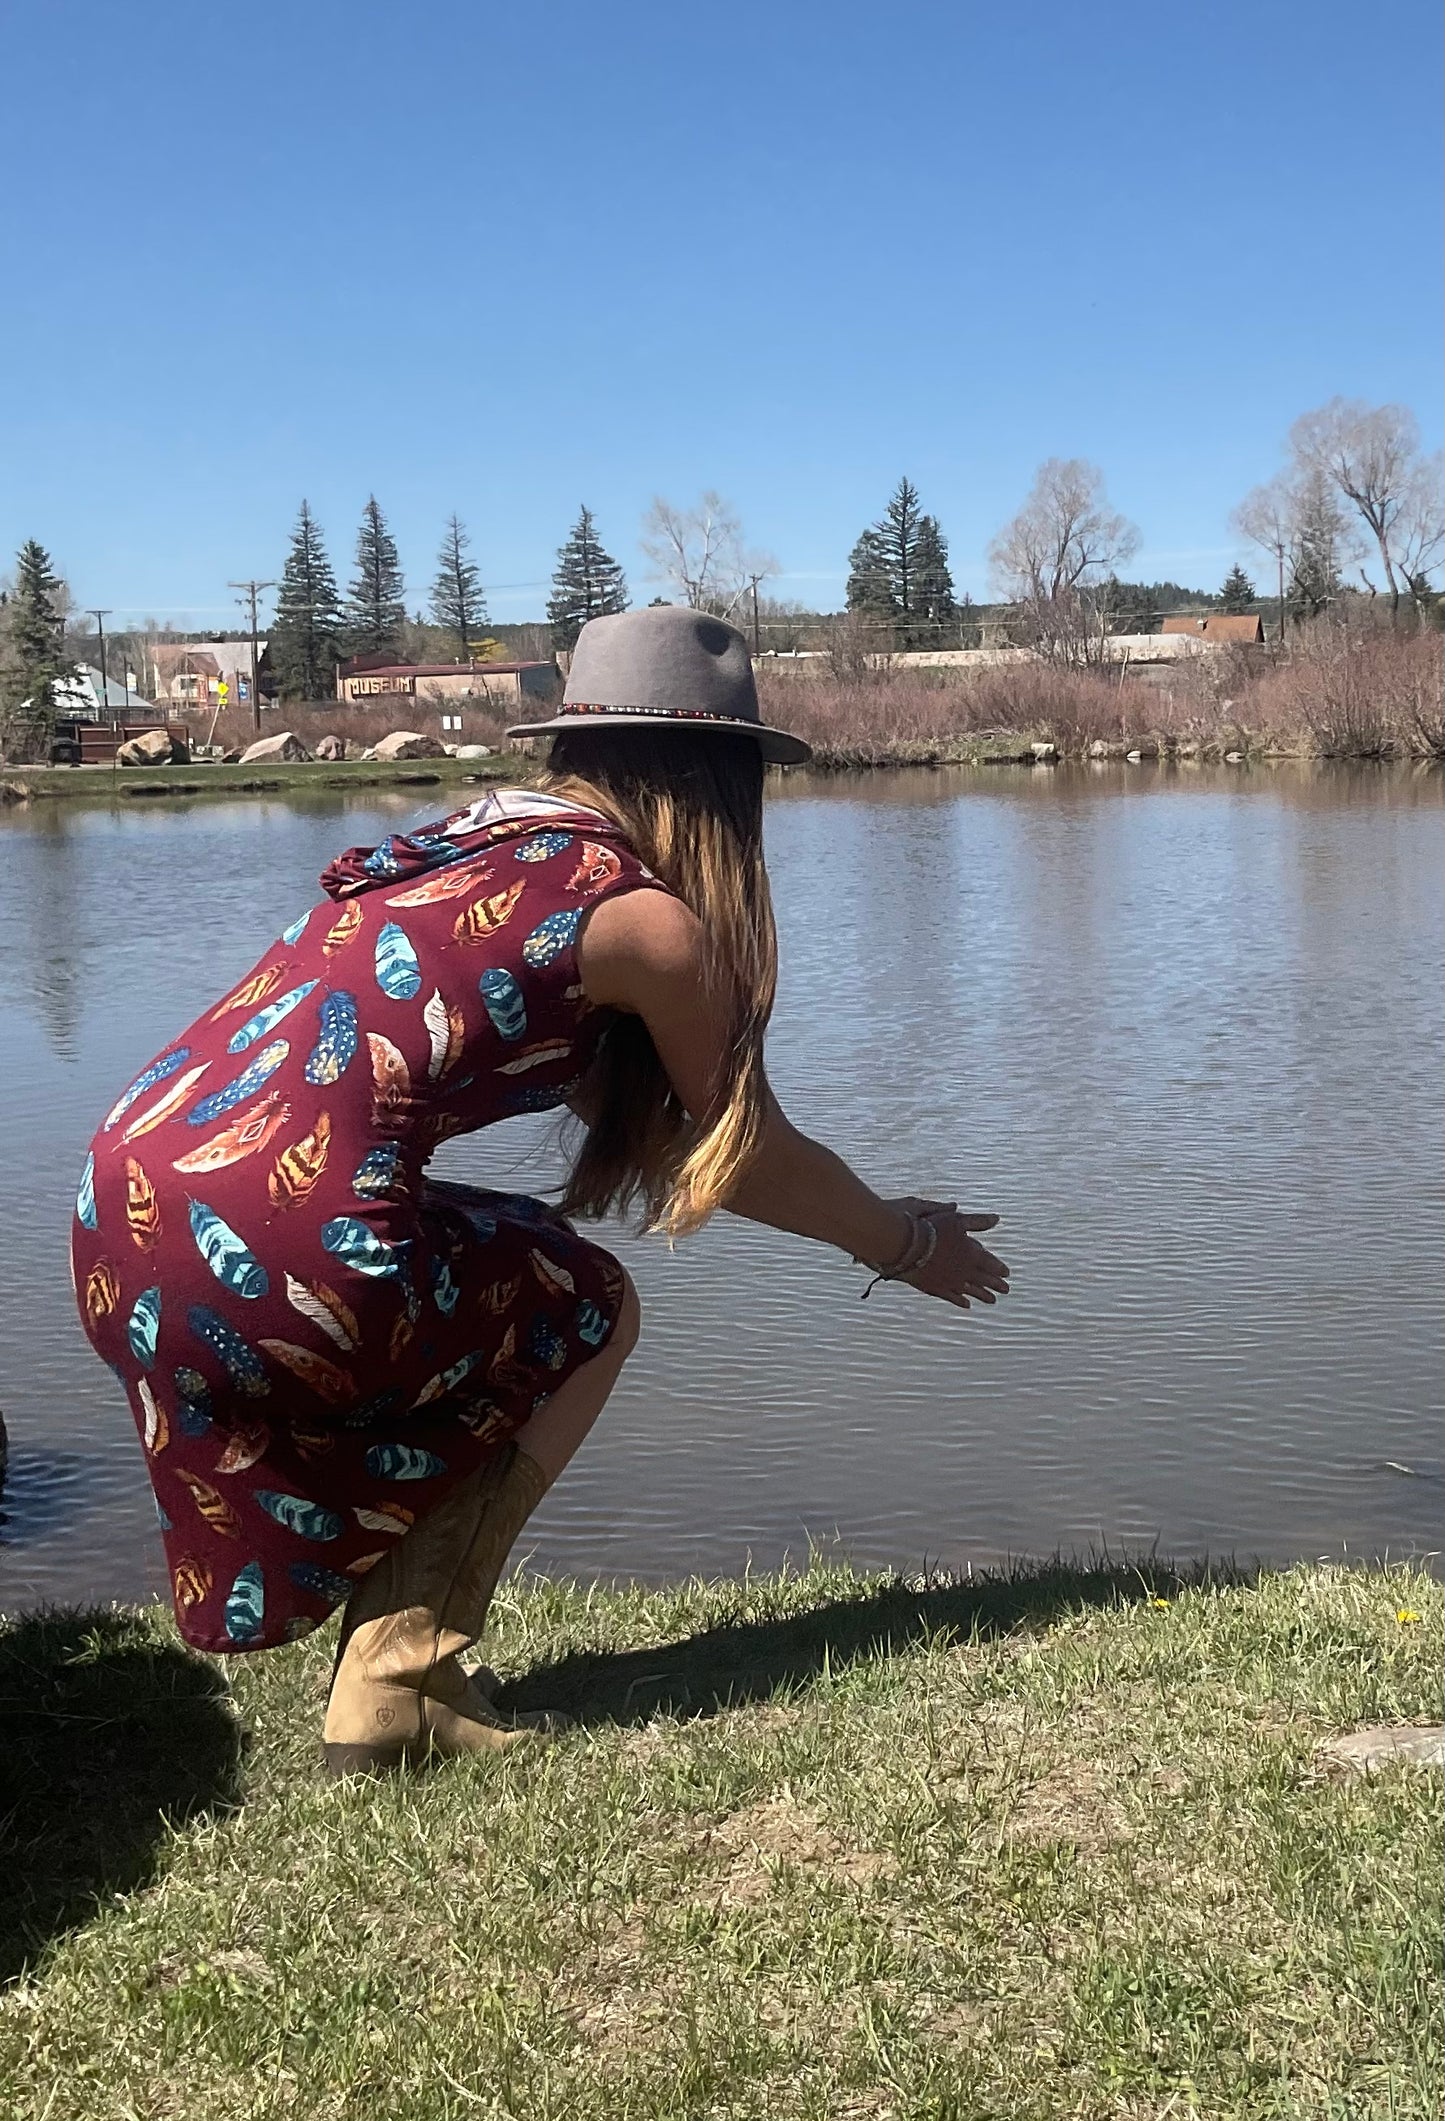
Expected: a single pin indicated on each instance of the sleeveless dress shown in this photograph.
(318, 1342)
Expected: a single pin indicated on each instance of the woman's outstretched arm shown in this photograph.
(641, 952)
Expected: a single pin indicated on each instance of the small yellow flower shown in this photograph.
(1162, 1602)
(1407, 1617)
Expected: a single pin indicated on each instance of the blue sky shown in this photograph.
(503, 260)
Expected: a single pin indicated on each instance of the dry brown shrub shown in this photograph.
(482, 723)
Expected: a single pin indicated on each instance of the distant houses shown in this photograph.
(205, 675)
(1217, 625)
(372, 681)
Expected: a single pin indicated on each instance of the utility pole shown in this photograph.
(100, 613)
(252, 591)
(757, 629)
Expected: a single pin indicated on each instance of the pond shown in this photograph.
(1181, 1029)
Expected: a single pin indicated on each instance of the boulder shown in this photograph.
(231, 757)
(154, 747)
(410, 744)
(1105, 748)
(370, 752)
(1385, 1744)
(285, 749)
(1045, 754)
(474, 751)
(331, 747)
(14, 792)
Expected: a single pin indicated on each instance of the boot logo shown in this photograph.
(385, 1716)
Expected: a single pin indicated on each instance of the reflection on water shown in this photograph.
(1181, 1028)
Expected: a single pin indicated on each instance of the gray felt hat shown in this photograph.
(665, 664)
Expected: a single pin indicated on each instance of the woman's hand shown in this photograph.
(960, 1270)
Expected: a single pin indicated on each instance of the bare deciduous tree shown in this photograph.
(1371, 453)
(1420, 529)
(700, 552)
(1063, 542)
(1265, 516)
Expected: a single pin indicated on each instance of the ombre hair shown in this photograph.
(691, 807)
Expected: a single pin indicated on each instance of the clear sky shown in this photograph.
(505, 259)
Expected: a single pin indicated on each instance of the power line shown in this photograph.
(252, 591)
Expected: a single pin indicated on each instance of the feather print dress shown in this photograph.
(318, 1342)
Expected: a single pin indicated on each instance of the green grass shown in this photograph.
(821, 1846)
(157, 783)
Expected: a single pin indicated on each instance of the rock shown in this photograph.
(1234, 758)
(1045, 754)
(1108, 748)
(231, 757)
(1381, 1744)
(474, 751)
(450, 750)
(14, 792)
(152, 748)
(287, 748)
(370, 752)
(331, 747)
(410, 744)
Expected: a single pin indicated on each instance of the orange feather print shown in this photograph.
(598, 866)
(142, 1209)
(312, 1443)
(211, 1503)
(102, 1290)
(244, 1447)
(450, 884)
(342, 929)
(391, 1097)
(255, 1127)
(166, 1106)
(499, 1296)
(293, 1176)
(323, 1377)
(487, 915)
(251, 991)
(191, 1584)
(157, 1431)
(401, 1334)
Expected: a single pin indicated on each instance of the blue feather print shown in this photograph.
(161, 1518)
(545, 1344)
(193, 1401)
(358, 1247)
(266, 1019)
(447, 1380)
(377, 1408)
(504, 1003)
(228, 1256)
(592, 1326)
(246, 1605)
(157, 1072)
(316, 1582)
(85, 1198)
(238, 1358)
(403, 1461)
(397, 972)
(443, 1288)
(335, 1046)
(297, 929)
(382, 861)
(376, 1175)
(306, 1519)
(543, 845)
(551, 937)
(143, 1327)
(245, 1085)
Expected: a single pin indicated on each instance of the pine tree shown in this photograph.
(458, 601)
(588, 583)
(306, 634)
(898, 570)
(36, 644)
(376, 606)
(1236, 592)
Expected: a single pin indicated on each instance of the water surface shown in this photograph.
(1182, 1030)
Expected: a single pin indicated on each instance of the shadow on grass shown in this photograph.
(109, 1732)
(740, 1661)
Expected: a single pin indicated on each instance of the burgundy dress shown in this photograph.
(318, 1342)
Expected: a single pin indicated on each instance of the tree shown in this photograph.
(1050, 560)
(305, 638)
(1420, 533)
(1128, 607)
(587, 584)
(699, 552)
(35, 651)
(1320, 544)
(458, 601)
(1371, 455)
(1265, 517)
(1237, 592)
(898, 571)
(376, 607)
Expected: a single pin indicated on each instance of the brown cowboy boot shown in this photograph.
(398, 1692)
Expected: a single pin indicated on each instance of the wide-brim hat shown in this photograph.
(666, 666)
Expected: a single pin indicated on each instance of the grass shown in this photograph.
(1052, 1844)
(105, 784)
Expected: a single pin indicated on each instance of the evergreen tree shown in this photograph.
(1237, 592)
(458, 601)
(1129, 607)
(306, 633)
(36, 644)
(588, 583)
(376, 607)
(898, 571)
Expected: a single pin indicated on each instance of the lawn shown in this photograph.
(1051, 1844)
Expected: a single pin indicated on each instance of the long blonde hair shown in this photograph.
(691, 807)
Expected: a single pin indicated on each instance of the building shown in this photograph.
(1217, 625)
(191, 674)
(86, 697)
(369, 681)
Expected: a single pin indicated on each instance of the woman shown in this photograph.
(354, 1384)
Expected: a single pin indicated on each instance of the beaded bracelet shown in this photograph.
(919, 1250)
